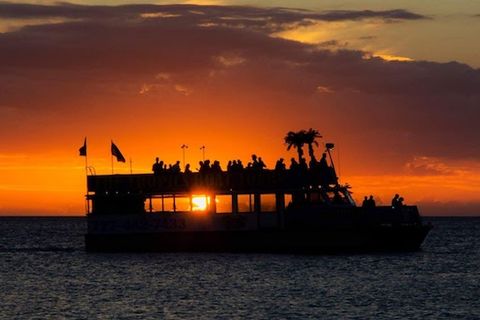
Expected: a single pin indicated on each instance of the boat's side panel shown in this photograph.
(320, 241)
(172, 223)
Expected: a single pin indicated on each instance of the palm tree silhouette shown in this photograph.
(310, 137)
(296, 140)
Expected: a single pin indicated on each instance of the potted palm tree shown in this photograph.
(297, 141)
(310, 137)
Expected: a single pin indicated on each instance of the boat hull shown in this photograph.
(326, 240)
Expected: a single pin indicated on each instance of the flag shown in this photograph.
(83, 149)
(116, 152)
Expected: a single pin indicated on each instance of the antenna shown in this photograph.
(184, 146)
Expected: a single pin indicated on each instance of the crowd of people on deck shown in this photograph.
(159, 167)
(257, 164)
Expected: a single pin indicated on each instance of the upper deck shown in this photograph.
(218, 182)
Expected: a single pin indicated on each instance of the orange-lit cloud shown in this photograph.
(154, 83)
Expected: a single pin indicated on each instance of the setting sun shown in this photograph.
(199, 202)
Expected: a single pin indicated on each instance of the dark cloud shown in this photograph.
(396, 110)
(232, 15)
(398, 14)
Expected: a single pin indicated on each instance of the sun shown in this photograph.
(200, 203)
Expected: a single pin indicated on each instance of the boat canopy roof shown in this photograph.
(219, 182)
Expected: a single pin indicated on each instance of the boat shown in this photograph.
(303, 209)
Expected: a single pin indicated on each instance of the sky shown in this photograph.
(395, 84)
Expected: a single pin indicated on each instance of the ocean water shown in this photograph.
(46, 274)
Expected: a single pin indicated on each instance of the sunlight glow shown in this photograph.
(389, 57)
(200, 203)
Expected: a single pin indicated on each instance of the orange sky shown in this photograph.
(236, 85)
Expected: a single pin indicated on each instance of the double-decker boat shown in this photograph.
(297, 210)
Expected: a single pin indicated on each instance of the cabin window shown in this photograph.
(268, 203)
(245, 203)
(223, 203)
(288, 199)
(168, 204)
(182, 204)
(156, 205)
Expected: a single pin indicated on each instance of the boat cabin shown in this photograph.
(215, 193)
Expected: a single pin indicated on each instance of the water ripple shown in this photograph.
(45, 273)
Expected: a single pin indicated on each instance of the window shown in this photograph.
(245, 203)
(268, 203)
(182, 204)
(288, 199)
(223, 203)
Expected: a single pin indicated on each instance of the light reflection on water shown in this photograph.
(45, 273)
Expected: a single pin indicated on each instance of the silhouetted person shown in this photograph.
(293, 164)
(371, 202)
(207, 166)
(230, 166)
(216, 167)
(254, 158)
(236, 166)
(256, 163)
(176, 167)
(400, 202)
(280, 166)
(395, 201)
(157, 166)
(261, 165)
(323, 164)
(240, 165)
(324, 172)
(187, 169)
(365, 202)
(204, 166)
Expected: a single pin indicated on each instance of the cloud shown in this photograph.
(421, 166)
(111, 56)
(325, 90)
(398, 14)
(229, 15)
(230, 60)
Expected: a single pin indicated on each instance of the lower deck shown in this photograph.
(305, 217)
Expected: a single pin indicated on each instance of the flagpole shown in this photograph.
(84, 152)
(87, 204)
(111, 153)
(184, 146)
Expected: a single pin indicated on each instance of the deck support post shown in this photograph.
(235, 203)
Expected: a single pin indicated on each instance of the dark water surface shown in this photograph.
(46, 274)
